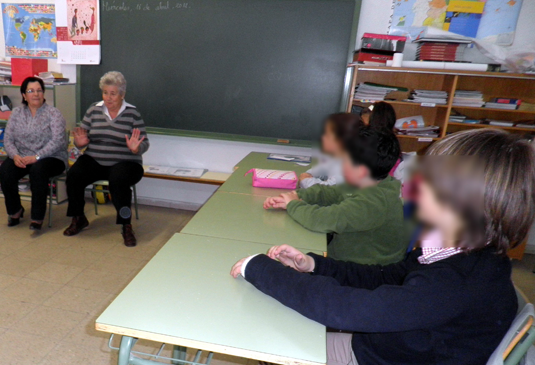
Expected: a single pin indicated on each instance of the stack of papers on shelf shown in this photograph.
(468, 98)
(51, 77)
(175, 171)
(503, 103)
(5, 70)
(429, 97)
(501, 123)
(457, 118)
(431, 131)
(370, 92)
(523, 125)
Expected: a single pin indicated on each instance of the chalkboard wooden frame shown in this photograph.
(232, 136)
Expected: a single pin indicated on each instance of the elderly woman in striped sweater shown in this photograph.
(114, 134)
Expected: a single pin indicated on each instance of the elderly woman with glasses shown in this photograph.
(36, 146)
(114, 134)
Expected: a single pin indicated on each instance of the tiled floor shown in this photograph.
(52, 288)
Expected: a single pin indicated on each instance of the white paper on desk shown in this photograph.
(175, 171)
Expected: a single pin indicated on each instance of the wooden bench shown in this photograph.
(209, 178)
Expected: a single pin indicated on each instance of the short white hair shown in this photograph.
(114, 78)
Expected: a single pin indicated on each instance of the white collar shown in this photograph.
(124, 105)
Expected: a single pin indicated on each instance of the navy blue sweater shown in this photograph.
(454, 311)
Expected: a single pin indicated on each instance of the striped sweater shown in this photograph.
(107, 142)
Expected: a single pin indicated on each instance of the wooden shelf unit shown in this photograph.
(491, 84)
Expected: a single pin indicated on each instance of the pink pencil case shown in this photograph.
(273, 179)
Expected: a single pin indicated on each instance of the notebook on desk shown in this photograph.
(292, 158)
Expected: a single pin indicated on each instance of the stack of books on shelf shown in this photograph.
(441, 49)
(500, 123)
(429, 97)
(370, 92)
(5, 72)
(51, 78)
(463, 119)
(468, 98)
(431, 131)
(503, 103)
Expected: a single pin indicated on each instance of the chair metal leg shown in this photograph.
(179, 353)
(124, 352)
(50, 200)
(95, 202)
(135, 201)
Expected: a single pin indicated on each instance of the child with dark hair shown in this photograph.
(365, 215)
(452, 300)
(329, 170)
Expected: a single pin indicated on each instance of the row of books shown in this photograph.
(371, 92)
(470, 98)
(441, 49)
(494, 122)
(428, 97)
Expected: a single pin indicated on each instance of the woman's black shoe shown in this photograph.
(34, 226)
(12, 222)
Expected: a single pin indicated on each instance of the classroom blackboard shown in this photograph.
(266, 68)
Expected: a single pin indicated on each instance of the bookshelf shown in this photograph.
(491, 84)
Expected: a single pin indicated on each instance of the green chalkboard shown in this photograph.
(263, 68)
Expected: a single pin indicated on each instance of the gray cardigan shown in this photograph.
(42, 135)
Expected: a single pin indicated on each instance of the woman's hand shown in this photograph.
(80, 137)
(134, 141)
(304, 176)
(19, 162)
(29, 160)
(292, 257)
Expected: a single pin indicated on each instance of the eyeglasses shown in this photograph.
(31, 91)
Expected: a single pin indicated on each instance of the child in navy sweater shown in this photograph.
(452, 300)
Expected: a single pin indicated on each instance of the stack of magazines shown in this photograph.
(429, 97)
(468, 98)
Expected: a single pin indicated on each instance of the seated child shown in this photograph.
(329, 170)
(447, 303)
(365, 214)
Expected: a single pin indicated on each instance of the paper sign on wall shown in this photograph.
(78, 30)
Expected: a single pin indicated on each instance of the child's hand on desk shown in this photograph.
(304, 176)
(292, 257)
(236, 269)
(281, 201)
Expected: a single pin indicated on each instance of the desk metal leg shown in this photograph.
(179, 353)
(124, 351)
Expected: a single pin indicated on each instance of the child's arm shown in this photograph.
(321, 195)
(388, 308)
(350, 215)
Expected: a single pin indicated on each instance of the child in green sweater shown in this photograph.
(365, 214)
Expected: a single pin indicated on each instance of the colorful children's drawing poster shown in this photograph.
(82, 18)
(78, 32)
(30, 30)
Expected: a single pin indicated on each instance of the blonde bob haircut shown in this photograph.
(488, 177)
(113, 78)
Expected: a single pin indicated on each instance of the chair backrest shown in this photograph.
(517, 340)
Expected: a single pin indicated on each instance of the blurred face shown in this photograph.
(112, 98)
(34, 95)
(435, 213)
(329, 142)
(354, 174)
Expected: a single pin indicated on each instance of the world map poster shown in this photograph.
(495, 23)
(30, 30)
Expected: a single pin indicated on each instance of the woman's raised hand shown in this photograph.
(134, 141)
(80, 137)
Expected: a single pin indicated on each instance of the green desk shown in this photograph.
(238, 183)
(185, 296)
(242, 217)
